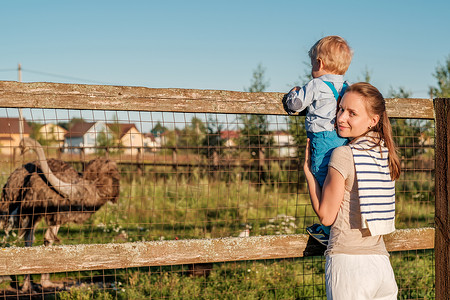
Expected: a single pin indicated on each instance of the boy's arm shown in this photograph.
(297, 99)
(285, 106)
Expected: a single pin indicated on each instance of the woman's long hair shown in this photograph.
(375, 105)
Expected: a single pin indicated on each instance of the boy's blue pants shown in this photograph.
(322, 145)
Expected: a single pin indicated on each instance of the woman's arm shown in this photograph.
(325, 201)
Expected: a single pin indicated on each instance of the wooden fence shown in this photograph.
(15, 260)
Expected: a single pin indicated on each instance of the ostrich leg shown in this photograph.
(49, 238)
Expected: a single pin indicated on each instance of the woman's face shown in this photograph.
(353, 119)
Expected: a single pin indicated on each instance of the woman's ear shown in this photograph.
(374, 120)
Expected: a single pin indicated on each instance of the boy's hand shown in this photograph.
(286, 108)
(285, 98)
(295, 89)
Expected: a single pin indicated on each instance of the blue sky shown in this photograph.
(218, 44)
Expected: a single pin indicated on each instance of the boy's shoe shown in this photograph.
(317, 232)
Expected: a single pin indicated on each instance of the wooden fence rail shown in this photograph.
(100, 97)
(19, 260)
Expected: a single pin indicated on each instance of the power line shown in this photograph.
(64, 76)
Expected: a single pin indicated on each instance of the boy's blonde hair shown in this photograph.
(334, 52)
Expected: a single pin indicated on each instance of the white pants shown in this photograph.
(359, 277)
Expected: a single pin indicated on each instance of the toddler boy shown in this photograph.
(330, 59)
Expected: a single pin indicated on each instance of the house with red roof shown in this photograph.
(231, 137)
(10, 134)
(131, 139)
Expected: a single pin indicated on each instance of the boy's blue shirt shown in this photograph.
(320, 101)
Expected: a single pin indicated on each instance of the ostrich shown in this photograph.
(52, 190)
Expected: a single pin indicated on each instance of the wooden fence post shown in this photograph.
(14, 158)
(82, 154)
(261, 163)
(139, 160)
(442, 206)
(59, 152)
(174, 159)
(215, 159)
(215, 167)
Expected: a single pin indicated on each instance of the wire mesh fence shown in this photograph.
(190, 176)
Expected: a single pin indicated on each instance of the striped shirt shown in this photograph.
(375, 187)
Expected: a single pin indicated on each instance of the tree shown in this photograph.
(258, 82)
(212, 141)
(408, 132)
(305, 77)
(198, 127)
(158, 129)
(442, 76)
(296, 124)
(35, 131)
(193, 134)
(297, 129)
(109, 141)
(104, 143)
(414, 140)
(366, 75)
(255, 131)
(68, 125)
(400, 93)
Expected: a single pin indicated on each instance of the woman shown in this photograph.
(357, 199)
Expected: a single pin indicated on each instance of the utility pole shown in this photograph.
(19, 71)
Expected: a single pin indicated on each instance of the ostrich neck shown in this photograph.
(64, 188)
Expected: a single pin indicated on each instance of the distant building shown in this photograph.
(130, 137)
(53, 132)
(10, 134)
(231, 137)
(286, 142)
(84, 135)
(150, 142)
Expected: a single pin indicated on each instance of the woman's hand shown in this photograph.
(307, 162)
